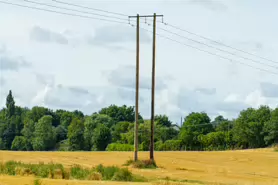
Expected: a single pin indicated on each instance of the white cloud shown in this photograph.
(39, 99)
(199, 82)
(255, 99)
(8, 62)
(2, 48)
(232, 98)
(44, 35)
(123, 76)
(269, 89)
(119, 34)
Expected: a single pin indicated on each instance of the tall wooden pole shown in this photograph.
(153, 91)
(137, 93)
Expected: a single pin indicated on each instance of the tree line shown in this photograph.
(112, 129)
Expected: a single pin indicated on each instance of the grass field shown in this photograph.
(254, 167)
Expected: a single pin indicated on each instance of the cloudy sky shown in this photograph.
(68, 62)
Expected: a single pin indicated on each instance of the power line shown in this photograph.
(63, 8)
(100, 10)
(225, 51)
(193, 125)
(88, 17)
(184, 37)
(211, 53)
(217, 42)
(63, 13)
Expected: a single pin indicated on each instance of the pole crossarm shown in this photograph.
(145, 16)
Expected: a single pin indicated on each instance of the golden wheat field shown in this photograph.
(254, 167)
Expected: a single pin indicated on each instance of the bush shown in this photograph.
(95, 176)
(119, 147)
(128, 162)
(172, 145)
(107, 172)
(23, 171)
(77, 172)
(144, 146)
(213, 141)
(63, 145)
(122, 175)
(37, 182)
(158, 146)
(142, 164)
(56, 171)
(9, 167)
(276, 148)
(169, 145)
(39, 170)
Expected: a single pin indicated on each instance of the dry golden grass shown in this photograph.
(254, 167)
(11, 180)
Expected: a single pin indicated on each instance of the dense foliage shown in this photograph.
(112, 129)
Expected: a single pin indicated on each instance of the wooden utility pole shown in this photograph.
(153, 90)
(137, 91)
(137, 86)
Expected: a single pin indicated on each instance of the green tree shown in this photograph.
(166, 133)
(263, 114)
(10, 104)
(118, 129)
(128, 137)
(91, 122)
(3, 113)
(271, 129)
(195, 124)
(213, 141)
(66, 118)
(75, 135)
(44, 135)
(61, 133)
(9, 131)
(2, 146)
(28, 132)
(163, 120)
(19, 143)
(224, 126)
(256, 135)
(144, 132)
(123, 113)
(37, 113)
(78, 114)
(241, 127)
(248, 129)
(38, 144)
(101, 137)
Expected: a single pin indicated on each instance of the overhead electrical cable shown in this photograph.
(218, 42)
(63, 13)
(69, 9)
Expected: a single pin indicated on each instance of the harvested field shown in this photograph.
(229, 167)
